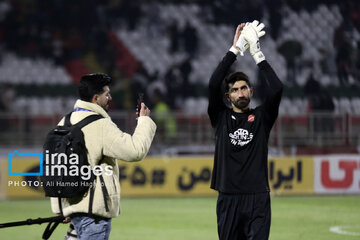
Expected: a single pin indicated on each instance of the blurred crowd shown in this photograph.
(67, 30)
(64, 30)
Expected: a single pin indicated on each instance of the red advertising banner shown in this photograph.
(337, 174)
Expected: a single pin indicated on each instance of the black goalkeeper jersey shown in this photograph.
(241, 139)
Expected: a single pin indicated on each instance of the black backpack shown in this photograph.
(65, 158)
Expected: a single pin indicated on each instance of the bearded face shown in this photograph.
(104, 99)
(239, 95)
(241, 103)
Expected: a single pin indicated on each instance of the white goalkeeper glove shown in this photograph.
(242, 44)
(250, 38)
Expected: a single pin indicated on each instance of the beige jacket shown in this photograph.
(105, 142)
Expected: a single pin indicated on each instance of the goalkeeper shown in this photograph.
(240, 173)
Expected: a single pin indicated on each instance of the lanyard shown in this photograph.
(82, 109)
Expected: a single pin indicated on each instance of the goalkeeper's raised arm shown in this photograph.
(216, 104)
(251, 34)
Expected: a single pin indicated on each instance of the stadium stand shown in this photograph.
(43, 56)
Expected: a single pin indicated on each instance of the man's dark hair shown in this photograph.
(92, 84)
(234, 77)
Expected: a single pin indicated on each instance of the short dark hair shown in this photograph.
(92, 84)
(234, 77)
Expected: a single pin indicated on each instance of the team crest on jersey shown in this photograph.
(240, 137)
(251, 118)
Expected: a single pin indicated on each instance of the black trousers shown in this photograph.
(243, 216)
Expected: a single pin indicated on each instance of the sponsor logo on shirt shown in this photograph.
(251, 118)
(240, 137)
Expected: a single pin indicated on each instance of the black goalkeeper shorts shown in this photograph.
(243, 216)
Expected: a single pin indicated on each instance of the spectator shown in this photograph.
(165, 122)
(174, 35)
(174, 83)
(190, 37)
(343, 51)
(311, 87)
(186, 69)
(291, 50)
(275, 17)
(322, 106)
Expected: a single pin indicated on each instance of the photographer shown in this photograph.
(91, 213)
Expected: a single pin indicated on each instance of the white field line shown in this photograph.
(341, 230)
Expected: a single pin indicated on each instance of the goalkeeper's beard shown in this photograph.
(242, 103)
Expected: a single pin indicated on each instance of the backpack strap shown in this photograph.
(60, 206)
(82, 124)
(91, 199)
(103, 188)
(67, 122)
(88, 120)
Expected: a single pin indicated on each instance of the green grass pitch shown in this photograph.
(293, 218)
